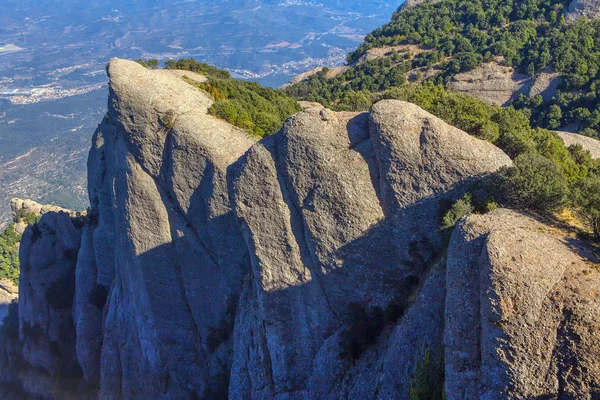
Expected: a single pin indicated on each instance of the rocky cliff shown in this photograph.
(307, 265)
(582, 8)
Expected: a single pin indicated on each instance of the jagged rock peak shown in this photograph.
(307, 265)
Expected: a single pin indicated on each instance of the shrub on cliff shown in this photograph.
(427, 382)
(259, 110)
(461, 208)
(189, 64)
(150, 64)
(586, 199)
(9, 254)
(535, 183)
(29, 218)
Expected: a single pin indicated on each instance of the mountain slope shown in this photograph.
(546, 66)
(309, 264)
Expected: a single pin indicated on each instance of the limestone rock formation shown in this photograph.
(582, 8)
(331, 73)
(590, 144)
(412, 3)
(491, 82)
(48, 256)
(522, 312)
(307, 265)
(546, 84)
(326, 206)
(165, 242)
(8, 290)
(500, 85)
(20, 206)
(30, 206)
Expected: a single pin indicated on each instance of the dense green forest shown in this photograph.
(531, 36)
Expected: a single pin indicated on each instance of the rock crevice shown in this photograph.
(307, 265)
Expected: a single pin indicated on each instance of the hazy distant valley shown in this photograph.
(52, 80)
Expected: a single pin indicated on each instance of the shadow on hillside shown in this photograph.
(186, 285)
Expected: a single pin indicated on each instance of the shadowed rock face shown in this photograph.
(166, 243)
(307, 265)
(521, 312)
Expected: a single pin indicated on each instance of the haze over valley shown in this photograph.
(52, 58)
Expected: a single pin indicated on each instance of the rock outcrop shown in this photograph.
(165, 247)
(307, 265)
(20, 207)
(412, 3)
(582, 8)
(522, 312)
(492, 83)
(546, 84)
(331, 73)
(48, 255)
(587, 143)
(29, 206)
(329, 207)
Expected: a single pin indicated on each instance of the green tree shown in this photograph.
(461, 208)
(150, 64)
(427, 382)
(356, 101)
(586, 199)
(535, 183)
(9, 254)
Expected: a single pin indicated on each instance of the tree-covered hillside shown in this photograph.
(458, 35)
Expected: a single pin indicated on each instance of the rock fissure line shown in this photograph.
(275, 352)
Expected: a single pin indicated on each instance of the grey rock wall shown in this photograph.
(307, 265)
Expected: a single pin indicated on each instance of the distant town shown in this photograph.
(45, 93)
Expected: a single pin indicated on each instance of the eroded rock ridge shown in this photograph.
(307, 265)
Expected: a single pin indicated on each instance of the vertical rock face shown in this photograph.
(340, 211)
(9, 291)
(165, 248)
(307, 265)
(48, 256)
(522, 312)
